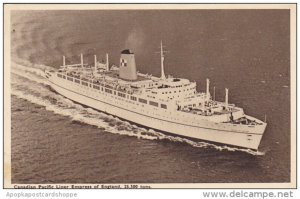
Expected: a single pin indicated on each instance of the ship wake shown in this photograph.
(28, 82)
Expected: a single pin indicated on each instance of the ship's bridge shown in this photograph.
(175, 82)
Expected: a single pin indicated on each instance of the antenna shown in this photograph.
(95, 62)
(107, 62)
(214, 93)
(207, 89)
(162, 58)
(81, 58)
(226, 98)
(64, 61)
(162, 61)
(265, 118)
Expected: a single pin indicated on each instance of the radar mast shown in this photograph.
(162, 61)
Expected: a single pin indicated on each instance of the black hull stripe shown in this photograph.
(147, 115)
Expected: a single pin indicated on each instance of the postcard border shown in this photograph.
(293, 48)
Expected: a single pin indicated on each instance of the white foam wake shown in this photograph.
(37, 69)
(29, 76)
(78, 113)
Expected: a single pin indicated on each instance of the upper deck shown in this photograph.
(153, 89)
(176, 94)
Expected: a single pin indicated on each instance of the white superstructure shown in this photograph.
(164, 103)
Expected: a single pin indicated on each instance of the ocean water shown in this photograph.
(55, 140)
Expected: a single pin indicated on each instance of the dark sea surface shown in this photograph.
(55, 140)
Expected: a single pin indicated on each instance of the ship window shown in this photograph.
(70, 78)
(163, 106)
(108, 91)
(133, 98)
(84, 83)
(142, 100)
(59, 75)
(115, 92)
(96, 87)
(77, 81)
(64, 77)
(121, 95)
(153, 103)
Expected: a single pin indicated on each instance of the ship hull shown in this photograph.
(241, 139)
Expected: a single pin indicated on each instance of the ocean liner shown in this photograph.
(167, 104)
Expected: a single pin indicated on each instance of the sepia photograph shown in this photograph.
(149, 96)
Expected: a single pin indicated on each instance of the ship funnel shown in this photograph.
(127, 65)
(107, 62)
(81, 58)
(207, 89)
(64, 60)
(226, 98)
